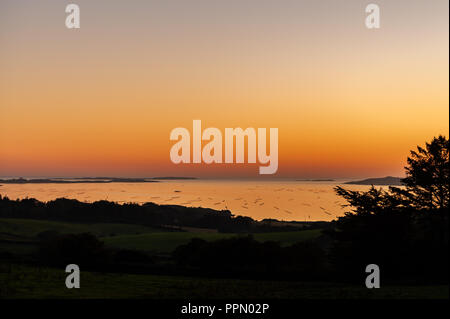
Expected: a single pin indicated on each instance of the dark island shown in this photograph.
(314, 180)
(388, 180)
(97, 180)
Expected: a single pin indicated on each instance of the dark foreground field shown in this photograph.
(21, 238)
(18, 281)
(25, 281)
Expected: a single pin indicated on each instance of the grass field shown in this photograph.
(167, 242)
(17, 235)
(31, 227)
(33, 282)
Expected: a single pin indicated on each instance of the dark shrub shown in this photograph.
(48, 234)
(245, 255)
(85, 250)
(131, 256)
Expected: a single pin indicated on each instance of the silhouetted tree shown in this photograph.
(405, 229)
(427, 176)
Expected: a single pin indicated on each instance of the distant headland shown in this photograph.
(315, 180)
(98, 180)
(388, 180)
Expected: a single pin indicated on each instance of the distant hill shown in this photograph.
(174, 178)
(388, 180)
(315, 180)
(97, 180)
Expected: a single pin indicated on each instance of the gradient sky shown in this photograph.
(102, 100)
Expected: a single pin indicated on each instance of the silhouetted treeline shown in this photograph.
(246, 257)
(149, 214)
(89, 253)
(239, 257)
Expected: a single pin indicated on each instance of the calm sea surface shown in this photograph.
(284, 200)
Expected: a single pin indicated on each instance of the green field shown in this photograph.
(31, 227)
(167, 242)
(19, 235)
(33, 282)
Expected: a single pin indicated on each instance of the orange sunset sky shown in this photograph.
(102, 100)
